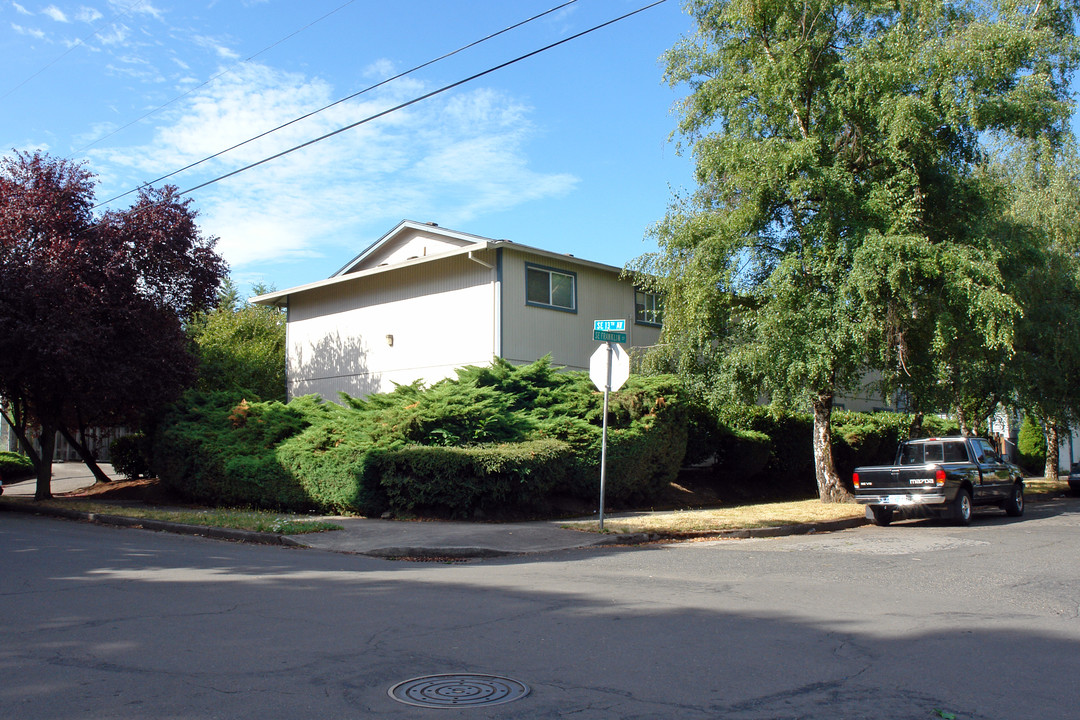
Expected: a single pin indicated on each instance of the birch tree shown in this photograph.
(835, 144)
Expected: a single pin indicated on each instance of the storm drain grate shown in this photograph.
(454, 691)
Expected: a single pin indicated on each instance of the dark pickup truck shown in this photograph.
(943, 475)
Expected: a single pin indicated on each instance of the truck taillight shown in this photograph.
(855, 479)
(939, 477)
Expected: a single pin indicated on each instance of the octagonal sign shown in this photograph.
(620, 367)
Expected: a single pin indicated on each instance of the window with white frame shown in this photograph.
(551, 288)
(648, 308)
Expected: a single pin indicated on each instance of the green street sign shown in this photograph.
(615, 337)
(609, 325)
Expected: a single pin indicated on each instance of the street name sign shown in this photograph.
(606, 336)
(609, 325)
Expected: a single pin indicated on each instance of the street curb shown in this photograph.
(248, 536)
(457, 553)
(737, 534)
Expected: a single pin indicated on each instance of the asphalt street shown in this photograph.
(916, 620)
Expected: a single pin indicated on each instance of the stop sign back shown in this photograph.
(619, 367)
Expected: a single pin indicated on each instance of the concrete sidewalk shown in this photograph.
(66, 477)
(402, 538)
(387, 538)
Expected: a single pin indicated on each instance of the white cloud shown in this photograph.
(215, 46)
(379, 70)
(20, 9)
(32, 32)
(116, 34)
(56, 14)
(88, 15)
(450, 157)
(140, 8)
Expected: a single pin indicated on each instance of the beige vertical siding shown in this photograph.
(440, 315)
(532, 332)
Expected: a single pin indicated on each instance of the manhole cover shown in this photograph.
(451, 691)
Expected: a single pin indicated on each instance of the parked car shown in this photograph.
(1074, 479)
(946, 476)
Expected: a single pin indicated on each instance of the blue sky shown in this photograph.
(567, 150)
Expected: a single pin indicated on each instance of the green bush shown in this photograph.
(512, 433)
(766, 453)
(130, 455)
(456, 482)
(746, 452)
(1031, 447)
(15, 467)
(214, 449)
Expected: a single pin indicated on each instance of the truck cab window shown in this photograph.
(955, 452)
(911, 455)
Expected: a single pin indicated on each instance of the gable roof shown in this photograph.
(461, 243)
(450, 237)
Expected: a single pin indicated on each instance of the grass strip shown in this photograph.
(745, 517)
(236, 519)
(729, 518)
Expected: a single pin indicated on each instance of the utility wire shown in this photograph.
(338, 102)
(206, 82)
(420, 98)
(81, 41)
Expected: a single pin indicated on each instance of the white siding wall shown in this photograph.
(440, 314)
(531, 332)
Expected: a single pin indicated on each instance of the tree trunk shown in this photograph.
(830, 489)
(1053, 445)
(915, 428)
(19, 428)
(44, 468)
(961, 420)
(87, 457)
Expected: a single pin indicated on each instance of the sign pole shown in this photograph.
(603, 439)
(609, 368)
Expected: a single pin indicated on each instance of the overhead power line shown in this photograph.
(338, 102)
(425, 96)
(206, 82)
(81, 41)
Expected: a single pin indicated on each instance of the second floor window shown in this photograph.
(648, 308)
(552, 288)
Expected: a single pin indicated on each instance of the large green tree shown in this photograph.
(240, 346)
(1044, 190)
(838, 142)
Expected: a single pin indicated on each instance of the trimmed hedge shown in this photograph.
(14, 467)
(457, 482)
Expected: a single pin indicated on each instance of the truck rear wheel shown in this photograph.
(882, 515)
(1014, 505)
(961, 507)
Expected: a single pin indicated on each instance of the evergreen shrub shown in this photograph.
(457, 482)
(15, 467)
(1031, 447)
(508, 434)
(130, 455)
(216, 449)
(765, 453)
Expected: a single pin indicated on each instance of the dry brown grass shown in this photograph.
(732, 518)
(1042, 486)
